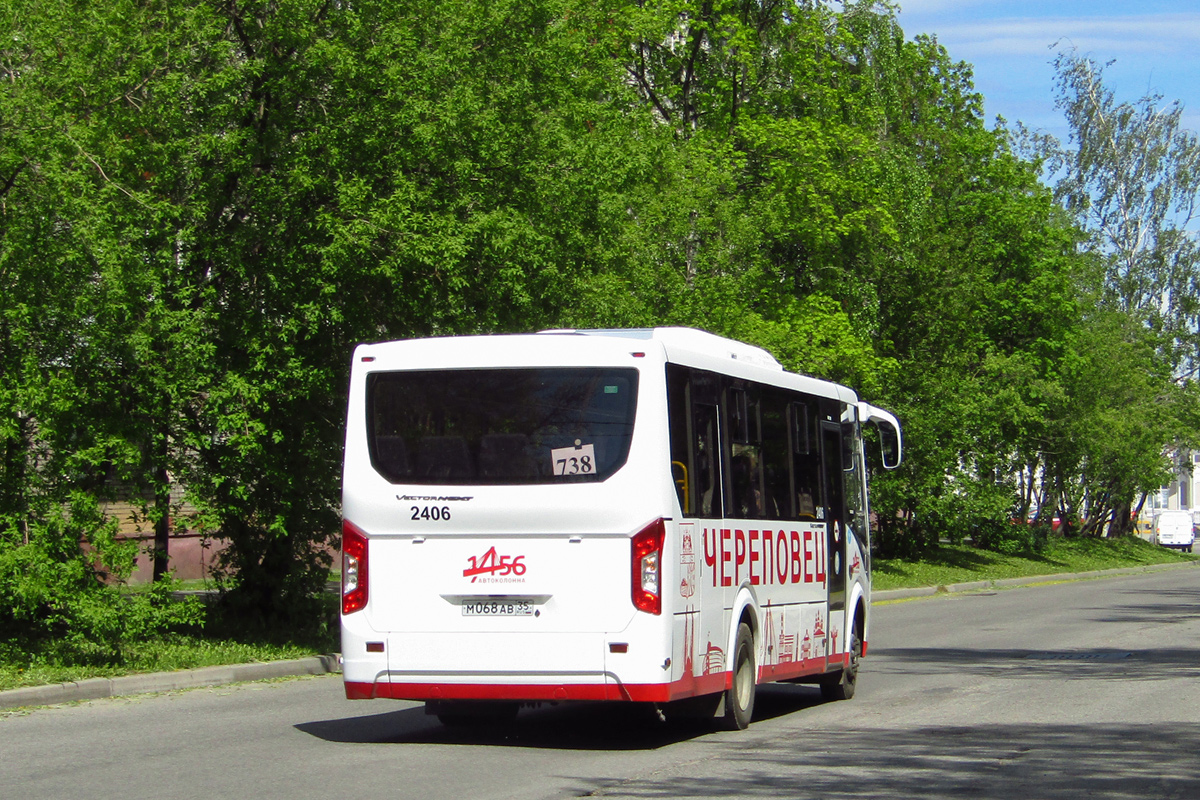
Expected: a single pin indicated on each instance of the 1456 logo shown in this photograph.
(495, 568)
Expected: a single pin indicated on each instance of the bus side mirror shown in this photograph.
(889, 433)
(889, 444)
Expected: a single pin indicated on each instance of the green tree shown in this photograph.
(1132, 179)
(72, 241)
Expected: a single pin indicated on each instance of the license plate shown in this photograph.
(498, 608)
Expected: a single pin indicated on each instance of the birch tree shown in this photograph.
(1131, 174)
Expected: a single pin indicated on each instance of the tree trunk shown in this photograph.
(1121, 523)
(162, 507)
(12, 480)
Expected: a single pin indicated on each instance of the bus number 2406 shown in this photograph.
(431, 512)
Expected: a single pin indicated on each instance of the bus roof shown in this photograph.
(685, 346)
(682, 341)
(704, 350)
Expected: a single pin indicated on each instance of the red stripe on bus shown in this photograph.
(633, 692)
(638, 693)
(690, 686)
(796, 669)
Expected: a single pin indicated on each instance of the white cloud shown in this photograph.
(914, 7)
(1011, 44)
(1154, 34)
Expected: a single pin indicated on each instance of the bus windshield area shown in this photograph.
(500, 426)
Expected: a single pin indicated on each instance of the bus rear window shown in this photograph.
(500, 426)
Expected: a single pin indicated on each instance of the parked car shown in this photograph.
(1174, 529)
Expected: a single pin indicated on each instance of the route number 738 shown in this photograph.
(578, 460)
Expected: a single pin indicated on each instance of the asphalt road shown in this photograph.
(1085, 689)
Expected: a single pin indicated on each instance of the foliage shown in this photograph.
(1132, 179)
(204, 206)
(220, 640)
(59, 609)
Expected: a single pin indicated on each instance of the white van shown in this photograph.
(1174, 529)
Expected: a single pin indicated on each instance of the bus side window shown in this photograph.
(831, 450)
(707, 460)
(745, 451)
(746, 467)
(678, 396)
(806, 464)
(692, 415)
(776, 481)
(704, 443)
(852, 477)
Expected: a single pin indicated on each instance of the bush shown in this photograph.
(59, 608)
(1010, 537)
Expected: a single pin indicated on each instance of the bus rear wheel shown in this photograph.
(739, 698)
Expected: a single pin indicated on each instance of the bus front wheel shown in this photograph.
(739, 698)
(841, 685)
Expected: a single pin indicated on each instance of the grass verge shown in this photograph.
(169, 653)
(950, 564)
(220, 642)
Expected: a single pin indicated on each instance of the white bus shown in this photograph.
(660, 516)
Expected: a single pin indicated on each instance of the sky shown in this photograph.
(1154, 44)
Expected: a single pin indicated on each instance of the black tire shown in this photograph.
(739, 698)
(841, 685)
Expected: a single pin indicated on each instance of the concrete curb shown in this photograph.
(1029, 580)
(95, 688)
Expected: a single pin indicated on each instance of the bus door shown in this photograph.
(835, 530)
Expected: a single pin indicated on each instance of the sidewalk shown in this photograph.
(1029, 580)
(95, 688)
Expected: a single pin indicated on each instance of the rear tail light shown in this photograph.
(354, 568)
(647, 567)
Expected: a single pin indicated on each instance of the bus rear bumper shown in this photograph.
(607, 688)
(500, 665)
